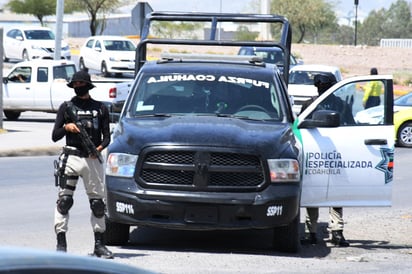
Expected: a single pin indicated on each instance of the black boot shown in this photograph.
(100, 250)
(310, 238)
(338, 239)
(61, 242)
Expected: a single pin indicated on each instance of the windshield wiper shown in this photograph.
(237, 117)
(154, 115)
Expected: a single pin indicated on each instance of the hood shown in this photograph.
(266, 138)
(46, 43)
(302, 90)
(124, 55)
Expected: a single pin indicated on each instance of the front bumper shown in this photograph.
(275, 206)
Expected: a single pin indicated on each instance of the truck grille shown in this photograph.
(201, 170)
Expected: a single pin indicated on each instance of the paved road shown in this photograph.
(380, 238)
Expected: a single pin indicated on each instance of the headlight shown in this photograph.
(284, 170)
(120, 164)
(114, 59)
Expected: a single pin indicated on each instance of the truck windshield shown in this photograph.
(207, 94)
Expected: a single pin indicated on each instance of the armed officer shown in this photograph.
(79, 120)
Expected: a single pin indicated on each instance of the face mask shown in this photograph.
(80, 91)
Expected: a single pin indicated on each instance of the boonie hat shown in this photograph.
(323, 79)
(81, 76)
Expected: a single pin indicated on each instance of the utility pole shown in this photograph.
(356, 21)
(59, 29)
(1, 77)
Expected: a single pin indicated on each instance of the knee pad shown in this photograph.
(64, 203)
(97, 207)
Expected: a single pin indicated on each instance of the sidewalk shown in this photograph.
(27, 139)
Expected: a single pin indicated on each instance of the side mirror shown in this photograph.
(322, 118)
(5, 80)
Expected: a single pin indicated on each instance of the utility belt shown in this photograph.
(60, 166)
(68, 150)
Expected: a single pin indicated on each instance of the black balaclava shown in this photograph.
(81, 91)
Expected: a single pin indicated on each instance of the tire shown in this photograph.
(286, 238)
(81, 64)
(116, 234)
(103, 70)
(25, 55)
(12, 115)
(404, 135)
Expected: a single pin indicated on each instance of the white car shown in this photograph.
(108, 54)
(301, 86)
(32, 42)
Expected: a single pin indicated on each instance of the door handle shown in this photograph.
(376, 142)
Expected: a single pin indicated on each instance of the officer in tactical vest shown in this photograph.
(85, 124)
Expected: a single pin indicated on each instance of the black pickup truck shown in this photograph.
(207, 141)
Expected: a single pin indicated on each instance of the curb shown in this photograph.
(35, 151)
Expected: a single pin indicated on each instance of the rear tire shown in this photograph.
(81, 64)
(25, 55)
(116, 234)
(286, 238)
(12, 115)
(404, 135)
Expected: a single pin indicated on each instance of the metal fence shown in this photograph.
(396, 43)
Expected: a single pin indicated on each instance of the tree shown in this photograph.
(176, 30)
(305, 16)
(93, 8)
(393, 23)
(370, 30)
(38, 8)
(398, 20)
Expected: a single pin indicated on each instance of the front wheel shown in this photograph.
(404, 135)
(286, 238)
(103, 70)
(12, 115)
(116, 234)
(5, 58)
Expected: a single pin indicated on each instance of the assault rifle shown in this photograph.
(87, 143)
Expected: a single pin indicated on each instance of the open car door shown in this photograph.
(348, 150)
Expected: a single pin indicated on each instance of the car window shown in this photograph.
(20, 75)
(39, 35)
(42, 74)
(215, 94)
(405, 100)
(358, 104)
(98, 44)
(89, 43)
(119, 45)
(301, 77)
(271, 57)
(64, 72)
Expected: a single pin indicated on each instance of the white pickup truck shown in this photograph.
(41, 85)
